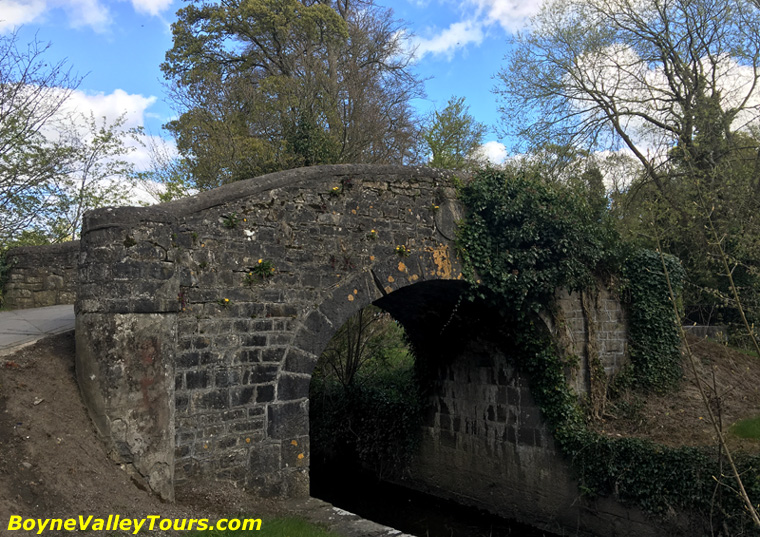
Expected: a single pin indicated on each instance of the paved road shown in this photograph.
(23, 327)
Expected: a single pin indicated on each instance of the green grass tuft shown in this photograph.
(748, 428)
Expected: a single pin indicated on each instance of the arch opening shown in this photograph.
(477, 421)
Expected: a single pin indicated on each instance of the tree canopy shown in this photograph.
(54, 163)
(673, 86)
(452, 137)
(265, 85)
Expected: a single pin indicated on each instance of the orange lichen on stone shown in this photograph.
(442, 260)
(350, 298)
(391, 279)
(401, 266)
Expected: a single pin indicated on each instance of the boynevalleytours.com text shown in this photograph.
(126, 524)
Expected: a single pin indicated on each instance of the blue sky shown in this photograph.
(117, 45)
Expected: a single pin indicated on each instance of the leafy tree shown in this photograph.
(673, 84)
(167, 176)
(264, 85)
(364, 399)
(54, 164)
(32, 92)
(94, 173)
(452, 136)
(369, 342)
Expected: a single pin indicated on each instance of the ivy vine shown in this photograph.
(521, 240)
(654, 341)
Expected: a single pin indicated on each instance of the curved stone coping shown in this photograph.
(169, 211)
(293, 177)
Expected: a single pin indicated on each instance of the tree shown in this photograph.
(32, 92)
(673, 84)
(264, 85)
(369, 342)
(55, 164)
(452, 136)
(168, 175)
(92, 174)
(644, 76)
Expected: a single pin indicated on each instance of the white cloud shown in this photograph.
(492, 152)
(151, 7)
(82, 13)
(509, 14)
(111, 106)
(17, 12)
(94, 14)
(478, 16)
(455, 36)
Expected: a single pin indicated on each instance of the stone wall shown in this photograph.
(486, 444)
(592, 328)
(40, 276)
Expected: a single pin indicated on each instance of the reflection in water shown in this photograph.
(407, 510)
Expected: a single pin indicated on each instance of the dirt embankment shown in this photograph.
(731, 380)
(53, 465)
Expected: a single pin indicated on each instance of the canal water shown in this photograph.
(408, 510)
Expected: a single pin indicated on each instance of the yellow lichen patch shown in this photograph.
(401, 266)
(356, 291)
(390, 279)
(350, 298)
(414, 277)
(300, 456)
(442, 260)
(353, 211)
(372, 258)
(388, 289)
(294, 442)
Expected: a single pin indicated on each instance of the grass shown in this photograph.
(274, 527)
(747, 428)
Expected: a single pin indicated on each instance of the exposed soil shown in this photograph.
(52, 464)
(731, 380)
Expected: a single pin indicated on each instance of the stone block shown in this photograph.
(132, 404)
(293, 387)
(287, 420)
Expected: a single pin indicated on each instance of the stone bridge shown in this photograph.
(199, 323)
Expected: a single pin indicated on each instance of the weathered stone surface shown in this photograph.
(41, 276)
(486, 444)
(125, 372)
